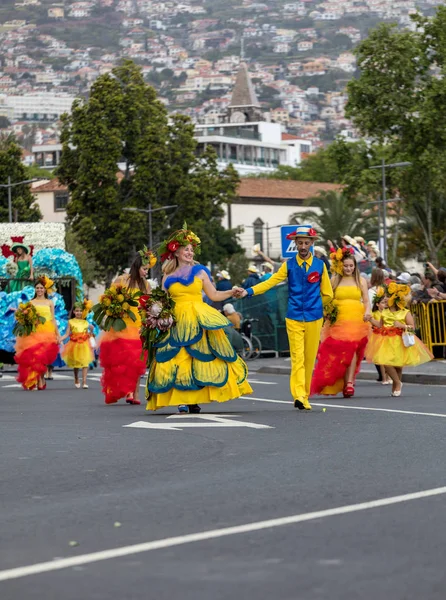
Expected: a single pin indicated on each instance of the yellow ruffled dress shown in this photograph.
(78, 353)
(196, 363)
(386, 346)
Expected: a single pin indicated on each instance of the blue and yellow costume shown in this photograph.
(309, 288)
(195, 363)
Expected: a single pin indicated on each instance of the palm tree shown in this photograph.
(333, 215)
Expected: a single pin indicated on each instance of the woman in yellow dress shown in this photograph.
(120, 352)
(387, 347)
(78, 353)
(40, 348)
(195, 364)
(343, 341)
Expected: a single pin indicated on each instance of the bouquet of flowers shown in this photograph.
(11, 268)
(115, 304)
(157, 318)
(27, 319)
(330, 313)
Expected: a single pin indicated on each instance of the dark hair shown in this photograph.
(441, 275)
(431, 277)
(376, 302)
(379, 261)
(40, 283)
(135, 279)
(377, 277)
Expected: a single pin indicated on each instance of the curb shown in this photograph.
(420, 378)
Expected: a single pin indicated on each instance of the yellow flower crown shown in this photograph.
(47, 283)
(399, 294)
(85, 306)
(337, 257)
(147, 256)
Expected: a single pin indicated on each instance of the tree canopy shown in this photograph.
(124, 123)
(24, 207)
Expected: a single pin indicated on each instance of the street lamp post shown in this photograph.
(149, 211)
(384, 200)
(10, 185)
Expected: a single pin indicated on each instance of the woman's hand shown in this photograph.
(367, 317)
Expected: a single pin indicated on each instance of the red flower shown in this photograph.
(312, 232)
(291, 235)
(143, 300)
(166, 256)
(351, 251)
(313, 277)
(6, 251)
(173, 246)
(17, 239)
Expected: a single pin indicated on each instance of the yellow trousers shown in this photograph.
(304, 343)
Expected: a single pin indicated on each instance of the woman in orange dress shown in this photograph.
(343, 341)
(40, 348)
(120, 352)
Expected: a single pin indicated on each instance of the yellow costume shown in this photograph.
(36, 350)
(196, 363)
(386, 345)
(78, 353)
(341, 341)
(303, 335)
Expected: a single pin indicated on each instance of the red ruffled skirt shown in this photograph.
(34, 353)
(347, 337)
(120, 357)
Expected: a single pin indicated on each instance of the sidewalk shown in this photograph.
(433, 373)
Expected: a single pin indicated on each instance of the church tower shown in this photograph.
(244, 106)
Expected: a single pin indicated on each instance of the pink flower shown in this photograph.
(156, 309)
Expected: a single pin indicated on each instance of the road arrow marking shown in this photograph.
(209, 421)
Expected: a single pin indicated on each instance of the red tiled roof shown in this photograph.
(280, 189)
(289, 136)
(51, 186)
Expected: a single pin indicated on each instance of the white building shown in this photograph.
(244, 138)
(39, 107)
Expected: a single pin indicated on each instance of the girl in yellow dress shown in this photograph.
(379, 304)
(78, 353)
(195, 364)
(40, 348)
(120, 352)
(344, 340)
(387, 347)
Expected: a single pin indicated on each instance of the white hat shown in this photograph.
(267, 265)
(253, 269)
(359, 239)
(223, 274)
(320, 249)
(229, 308)
(305, 231)
(404, 277)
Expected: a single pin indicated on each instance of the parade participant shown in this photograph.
(196, 363)
(344, 339)
(308, 289)
(78, 353)
(378, 305)
(24, 264)
(120, 352)
(38, 349)
(394, 343)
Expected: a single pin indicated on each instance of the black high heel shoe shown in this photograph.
(194, 408)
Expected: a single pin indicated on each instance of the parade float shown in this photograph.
(46, 244)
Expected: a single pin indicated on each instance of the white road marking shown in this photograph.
(83, 559)
(210, 421)
(13, 385)
(262, 382)
(388, 410)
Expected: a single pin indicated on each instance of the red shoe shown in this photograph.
(349, 390)
(41, 387)
(131, 400)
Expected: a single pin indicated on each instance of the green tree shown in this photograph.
(124, 122)
(89, 268)
(400, 99)
(24, 207)
(333, 216)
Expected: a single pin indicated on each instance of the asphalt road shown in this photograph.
(76, 480)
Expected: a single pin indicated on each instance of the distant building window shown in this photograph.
(60, 201)
(306, 148)
(258, 232)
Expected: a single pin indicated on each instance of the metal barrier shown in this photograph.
(430, 322)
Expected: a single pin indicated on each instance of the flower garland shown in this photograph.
(27, 319)
(157, 317)
(181, 237)
(147, 256)
(337, 257)
(399, 294)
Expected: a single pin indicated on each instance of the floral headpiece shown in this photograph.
(398, 294)
(381, 291)
(147, 256)
(47, 283)
(337, 257)
(181, 237)
(85, 306)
